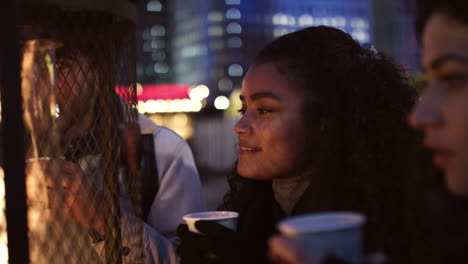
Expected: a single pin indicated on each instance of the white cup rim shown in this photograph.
(210, 215)
(324, 222)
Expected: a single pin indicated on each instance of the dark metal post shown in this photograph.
(13, 136)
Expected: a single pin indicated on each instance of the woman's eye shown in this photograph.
(263, 111)
(454, 80)
(259, 111)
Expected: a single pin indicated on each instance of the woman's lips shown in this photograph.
(440, 156)
(246, 150)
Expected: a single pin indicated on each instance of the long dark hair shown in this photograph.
(358, 142)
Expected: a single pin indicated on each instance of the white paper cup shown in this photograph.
(324, 233)
(224, 218)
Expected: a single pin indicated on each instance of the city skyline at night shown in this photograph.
(212, 43)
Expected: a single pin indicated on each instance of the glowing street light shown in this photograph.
(221, 103)
(199, 92)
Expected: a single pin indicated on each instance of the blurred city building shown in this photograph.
(152, 40)
(395, 31)
(213, 41)
(166, 103)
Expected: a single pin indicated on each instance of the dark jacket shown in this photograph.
(445, 238)
(260, 214)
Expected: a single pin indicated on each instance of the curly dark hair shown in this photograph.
(359, 144)
(456, 9)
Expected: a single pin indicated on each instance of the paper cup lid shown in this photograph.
(210, 215)
(320, 222)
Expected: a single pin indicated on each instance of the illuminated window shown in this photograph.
(278, 32)
(333, 22)
(215, 30)
(154, 6)
(234, 28)
(215, 16)
(158, 31)
(282, 19)
(279, 19)
(235, 70)
(326, 21)
(306, 20)
(234, 42)
(361, 36)
(233, 13)
(232, 2)
(291, 21)
(341, 21)
(359, 23)
(193, 51)
(161, 67)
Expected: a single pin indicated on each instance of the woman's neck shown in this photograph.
(289, 190)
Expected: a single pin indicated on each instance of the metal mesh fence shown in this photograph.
(82, 164)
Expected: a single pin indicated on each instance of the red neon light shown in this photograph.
(160, 92)
(164, 92)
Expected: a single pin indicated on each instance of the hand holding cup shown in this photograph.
(211, 237)
(70, 192)
(312, 238)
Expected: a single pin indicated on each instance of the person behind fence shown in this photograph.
(441, 114)
(178, 189)
(323, 128)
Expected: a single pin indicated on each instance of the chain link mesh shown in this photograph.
(82, 172)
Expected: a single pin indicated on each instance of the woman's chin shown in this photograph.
(250, 174)
(458, 188)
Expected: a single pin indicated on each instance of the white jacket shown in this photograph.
(179, 193)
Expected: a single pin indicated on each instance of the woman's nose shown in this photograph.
(243, 125)
(425, 113)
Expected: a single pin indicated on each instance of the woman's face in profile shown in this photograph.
(442, 112)
(76, 92)
(270, 130)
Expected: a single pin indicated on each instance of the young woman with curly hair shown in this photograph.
(323, 128)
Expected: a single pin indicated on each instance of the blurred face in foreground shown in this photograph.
(76, 95)
(442, 112)
(270, 129)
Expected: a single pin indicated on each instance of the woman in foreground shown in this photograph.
(442, 115)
